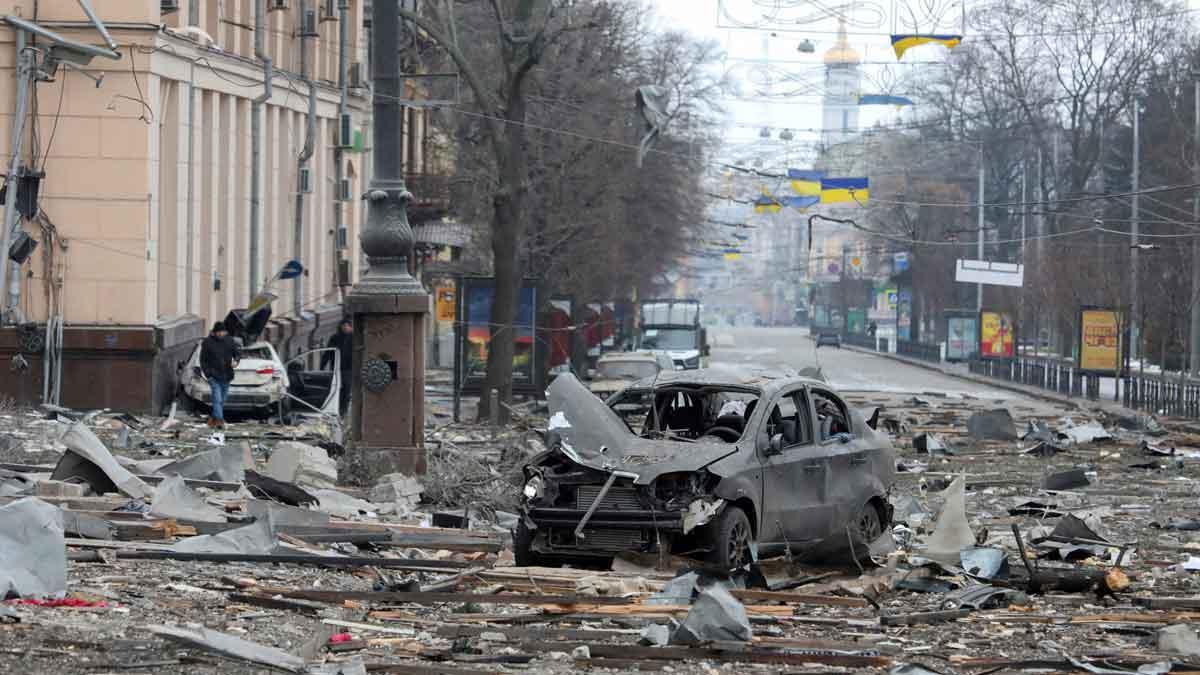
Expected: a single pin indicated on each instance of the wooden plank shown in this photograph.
(749, 655)
(800, 598)
(271, 602)
(339, 597)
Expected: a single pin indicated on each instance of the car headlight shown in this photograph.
(533, 488)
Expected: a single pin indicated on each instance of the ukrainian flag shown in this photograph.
(806, 183)
(767, 204)
(902, 43)
(838, 190)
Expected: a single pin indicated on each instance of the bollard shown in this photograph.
(494, 410)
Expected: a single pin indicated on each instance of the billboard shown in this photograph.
(447, 301)
(997, 339)
(993, 273)
(1099, 341)
(961, 336)
(476, 295)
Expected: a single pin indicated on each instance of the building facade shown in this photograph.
(149, 227)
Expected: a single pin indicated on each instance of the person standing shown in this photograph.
(218, 357)
(343, 341)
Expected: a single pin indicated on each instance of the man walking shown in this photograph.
(343, 341)
(218, 356)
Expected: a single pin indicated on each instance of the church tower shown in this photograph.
(843, 81)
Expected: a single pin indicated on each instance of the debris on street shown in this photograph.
(262, 553)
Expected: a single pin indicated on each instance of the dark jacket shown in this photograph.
(217, 355)
(344, 343)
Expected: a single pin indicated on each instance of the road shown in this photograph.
(846, 369)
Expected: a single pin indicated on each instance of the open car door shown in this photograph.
(314, 392)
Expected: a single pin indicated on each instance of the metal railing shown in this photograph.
(919, 350)
(1168, 394)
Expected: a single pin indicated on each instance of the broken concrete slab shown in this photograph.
(174, 499)
(307, 465)
(88, 460)
(396, 488)
(992, 425)
(1178, 639)
(87, 526)
(282, 514)
(230, 646)
(33, 554)
(57, 488)
(931, 444)
(655, 635)
(716, 615)
(952, 533)
(222, 464)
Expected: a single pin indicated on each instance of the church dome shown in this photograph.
(841, 51)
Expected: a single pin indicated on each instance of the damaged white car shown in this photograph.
(708, 465)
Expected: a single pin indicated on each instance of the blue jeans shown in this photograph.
(220, 392)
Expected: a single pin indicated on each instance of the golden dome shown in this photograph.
(841, 51)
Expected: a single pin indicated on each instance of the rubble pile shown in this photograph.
(127, 546)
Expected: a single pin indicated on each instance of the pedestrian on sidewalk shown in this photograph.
(218, 357)
(343, 342)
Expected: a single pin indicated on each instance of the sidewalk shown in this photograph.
(960, 372)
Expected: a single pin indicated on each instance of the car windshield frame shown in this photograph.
(673, 339)
(648, 369)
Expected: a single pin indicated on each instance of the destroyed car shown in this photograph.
(263, 385)
(704, 463)
(616, 370)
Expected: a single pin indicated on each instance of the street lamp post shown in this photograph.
(388, 304)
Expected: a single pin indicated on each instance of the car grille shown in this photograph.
(617, 499)
(612, 539)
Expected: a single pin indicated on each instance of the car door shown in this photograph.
(795, 479)
(314, 391)
(849, 458)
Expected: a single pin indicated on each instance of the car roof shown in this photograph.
(767, 381)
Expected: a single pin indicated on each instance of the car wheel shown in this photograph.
(868, 523)
(732, 537)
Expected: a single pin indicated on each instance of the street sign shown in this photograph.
(900, 262)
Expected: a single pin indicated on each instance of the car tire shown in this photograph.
(731, 537)
(868, 523)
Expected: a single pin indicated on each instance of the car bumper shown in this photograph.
(606, 533)
(239, 399)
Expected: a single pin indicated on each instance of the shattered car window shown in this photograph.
(832, 416)
(256, 353)
(687, 413)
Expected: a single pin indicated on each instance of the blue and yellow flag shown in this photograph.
(838, 190)
(884, 99)
(767, 204)
(806, 183)
(902, 43)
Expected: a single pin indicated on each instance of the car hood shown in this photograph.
(683, 354)
(591, 434)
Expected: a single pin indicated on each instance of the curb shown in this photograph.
(997, 384)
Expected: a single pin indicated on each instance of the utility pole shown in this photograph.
(1194, 333)
(11, 279)
(979, 240)
(1133, 231)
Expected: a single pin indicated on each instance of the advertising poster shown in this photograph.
(477, 302)
(996, 339)
(961, 338)
(1100, 341)
(447, 301)
(904, 315)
